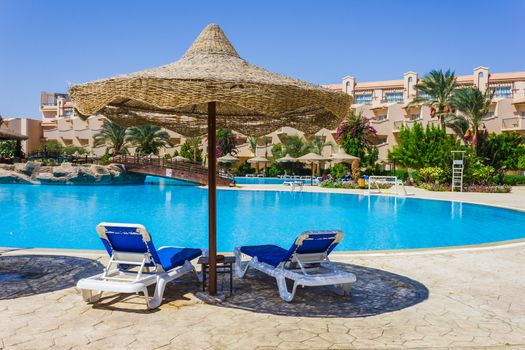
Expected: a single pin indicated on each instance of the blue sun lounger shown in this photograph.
(135, 264)
(306, 263)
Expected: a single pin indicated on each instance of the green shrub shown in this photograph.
(431, 174)
(243, 169)
(480, 174)
(7, 149)
(52, 147)
(274, 170)
(106, 158)
(420, 147)
(514, 180)
(339, 170)
(70, 150)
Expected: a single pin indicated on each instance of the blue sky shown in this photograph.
(46, 44)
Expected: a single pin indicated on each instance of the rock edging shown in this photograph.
(36, 173)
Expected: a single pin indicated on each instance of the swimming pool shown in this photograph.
(66, 216)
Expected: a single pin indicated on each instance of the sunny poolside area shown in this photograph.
(205, 175)
(455, 297)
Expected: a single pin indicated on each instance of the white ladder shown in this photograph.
(457, 170)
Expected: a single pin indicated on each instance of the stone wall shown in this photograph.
(67, 174)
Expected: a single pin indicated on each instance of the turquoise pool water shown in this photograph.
(66, 216)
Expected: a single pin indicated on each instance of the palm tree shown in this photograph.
(474, 106)
(252, 141)
(295, 146)
(148, 138)
(438, 88)
(113, 136)
(194, 143)
(317, 144)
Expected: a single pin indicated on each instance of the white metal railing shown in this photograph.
(515, 123)
(386, 180)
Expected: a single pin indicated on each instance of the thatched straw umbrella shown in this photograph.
(312, 158)
(342, 157)
(227, 159)
(287, 159)
(258, 160)
(211, 84)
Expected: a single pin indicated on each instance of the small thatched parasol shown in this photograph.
(342, 157)
(312, 158)
(287, 159)
(7, 134)
(211, 84)
(258, 160)
(227, 159)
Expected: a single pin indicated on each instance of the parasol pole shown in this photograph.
(212, 199)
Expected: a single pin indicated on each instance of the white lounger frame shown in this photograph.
(325, 273)
(135, 281)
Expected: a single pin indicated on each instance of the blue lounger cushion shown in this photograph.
(171, 257)
(270, 254)
(129, 238)
(310, 243)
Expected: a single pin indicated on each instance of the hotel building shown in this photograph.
(386, 103)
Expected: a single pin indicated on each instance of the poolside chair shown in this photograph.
(135, 264)
(306, 263)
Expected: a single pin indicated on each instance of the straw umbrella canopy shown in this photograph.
(258, 160)
(227, 159)
(312, 158)
(211, 84)
(7, 134)
(342, 157)
(287, 159)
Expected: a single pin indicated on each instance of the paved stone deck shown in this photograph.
(475, 299)
(456, 298)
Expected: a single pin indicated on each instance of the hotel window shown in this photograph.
(391, 97)
(415, 116)
(425, 95)
(381, 140)
(68, 112)
(363, 99)
(503, 92)
(381, 117)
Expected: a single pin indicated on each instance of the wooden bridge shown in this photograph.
(155, 166)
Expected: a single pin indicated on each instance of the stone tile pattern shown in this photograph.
(475, 300)
(25, 275)
(375, 292)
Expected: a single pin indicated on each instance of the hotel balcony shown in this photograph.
(513, 124)
(399, 124)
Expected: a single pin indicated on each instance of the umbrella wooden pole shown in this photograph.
(212, 199)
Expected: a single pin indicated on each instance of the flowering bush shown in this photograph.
(358, 138)
(431, 174)
(489, 188)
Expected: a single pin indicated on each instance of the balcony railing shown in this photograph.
(398, 125)
(516, 123)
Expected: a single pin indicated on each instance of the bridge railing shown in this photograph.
(158, 162)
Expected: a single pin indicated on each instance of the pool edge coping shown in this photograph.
(507, 244)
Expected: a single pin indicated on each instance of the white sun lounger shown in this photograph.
(135, 264)
(306, 263)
